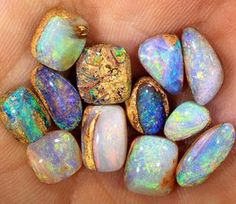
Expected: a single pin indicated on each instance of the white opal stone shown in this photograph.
(202, 66)
(104, 138)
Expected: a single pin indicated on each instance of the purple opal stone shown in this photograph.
(59, 96)
(162, 57)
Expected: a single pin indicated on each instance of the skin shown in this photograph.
(127, 24)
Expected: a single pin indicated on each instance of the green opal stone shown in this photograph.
(150, 166)
(59, 44)
(187, 119)
(23, 114)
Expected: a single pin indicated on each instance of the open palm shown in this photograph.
(126, 23)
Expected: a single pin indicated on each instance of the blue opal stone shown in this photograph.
(59, 96)
(151, 109)
(205, 155)
(162, 57)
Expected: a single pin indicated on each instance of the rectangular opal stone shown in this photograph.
(22, 113)
(104, 74)
(55, 157)
(150, 166)
(104, 138)
(59, 39)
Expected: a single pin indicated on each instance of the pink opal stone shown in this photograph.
(203, 68)
(55, 156)
(104, 138)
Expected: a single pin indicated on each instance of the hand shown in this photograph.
(126, 23)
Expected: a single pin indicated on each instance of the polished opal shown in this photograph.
(59, 39)
(104, 138)
(23, 114)
(55, 156)
(162, 57)
(148, 106)
(202, 66)
(186, 120)
(59, 96)
(104, 74)
(150, 166)
(205, 155)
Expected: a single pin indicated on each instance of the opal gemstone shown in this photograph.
(205, 155)
(104, 138)
(203, 68)
(23, 114)
(59, 39)
(186, 120)
(148, 106)
(59, 96)
(55, 156)
(104, 74)
(162, 57)
(150, 166)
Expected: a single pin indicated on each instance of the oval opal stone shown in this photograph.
(23, 114)
(104, 138)
(203, 68)
(205, 155)
(148, 106)
(151, 110)
(55, 157)
(104, 74)
(150, 166)
(162, 57)
(59, 96)
(186, 120)
(59, 39)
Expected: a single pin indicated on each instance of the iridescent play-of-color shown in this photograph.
(203, 68)
(104, 74)
(55, 156)
(205, 155)
(162, 57)
(104, 138)
(150, 166)
(59, 96)
(23, 114)
(148, 106)
(186, 120)
(59, 39)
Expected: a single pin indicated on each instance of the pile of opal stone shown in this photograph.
(94, 109)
